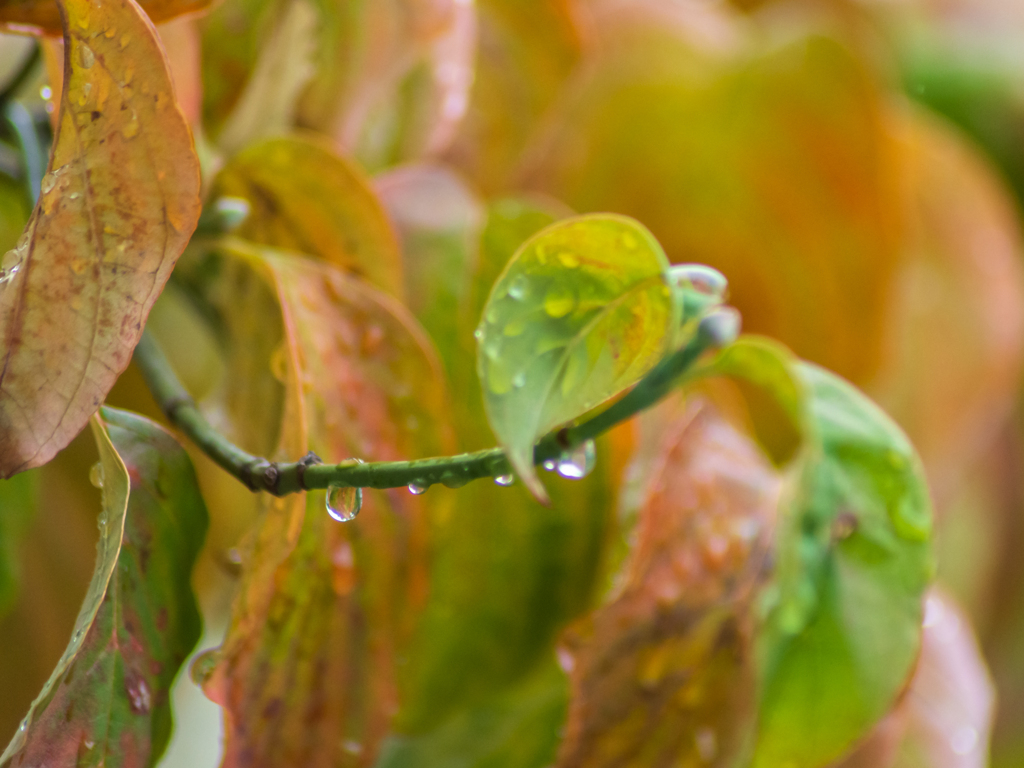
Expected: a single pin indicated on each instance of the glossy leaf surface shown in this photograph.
(844, 613)
(117, 207)
(311, 656)
(107, 701)
(305, 198)
(663, 672)
(581, 312)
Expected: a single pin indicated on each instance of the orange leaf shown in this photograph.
(663, 672)
(308, 673)
(116, 210)
(44, 16)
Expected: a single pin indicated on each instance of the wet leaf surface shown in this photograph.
(311, 658)
(107, 701)
(117, 207)
(581, 312)
(843, 622)
(663, 672)
(305, 198)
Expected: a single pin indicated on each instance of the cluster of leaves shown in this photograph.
(388, 266)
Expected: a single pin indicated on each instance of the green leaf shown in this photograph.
(17, 504)
(107, 700)
(582, 311)
(843, 622)
(765, 373)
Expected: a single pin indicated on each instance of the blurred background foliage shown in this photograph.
(855, 167)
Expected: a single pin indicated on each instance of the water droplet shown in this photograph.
(478, 334)
(89, 743)
(131, 128)
(139, 698)
(702, 279)
(125, 39)
(453, 480)
(85, 56)
(96, 475)
(559, 303)
(519, 380)
(352, 747)
(417, 490)
(515, 327)
(344, 502)
(964, 740)
(11, 262)
(565, 659)
(722, 326)
(48, 183)
(504, 480)
(569, 260)
(109, 32)
(520, 287)
(550, 465)
(579, 462)
(492, 346)
(46, 93)
(203, 666)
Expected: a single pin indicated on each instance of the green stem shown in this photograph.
(282, 478)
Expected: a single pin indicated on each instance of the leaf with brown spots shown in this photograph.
(107, 701)
(116, 210)
(663, 672)
(304, 197)
(309, 670)
(45, 17)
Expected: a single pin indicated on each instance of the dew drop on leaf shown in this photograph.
(520, 288)
(139, 697)
(559, 303)
(86, 56)
(569, 260)
(519, 380)
(550, 465)
(96, 475)
(203, 665)
(417, 490)
(579, 462)
(505, 480)
(344, 502)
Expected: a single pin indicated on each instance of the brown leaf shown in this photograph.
(45, 18)
(117, 207)
(662, 674)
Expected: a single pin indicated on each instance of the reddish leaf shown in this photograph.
(117, 208)
(45, 17)
(663, 672)
(107, 702)
(308, 673)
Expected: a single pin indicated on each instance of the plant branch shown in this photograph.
(282, 478)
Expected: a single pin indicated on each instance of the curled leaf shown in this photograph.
(117, 208)
(843, 623)
(582, 311)
(108, 699)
